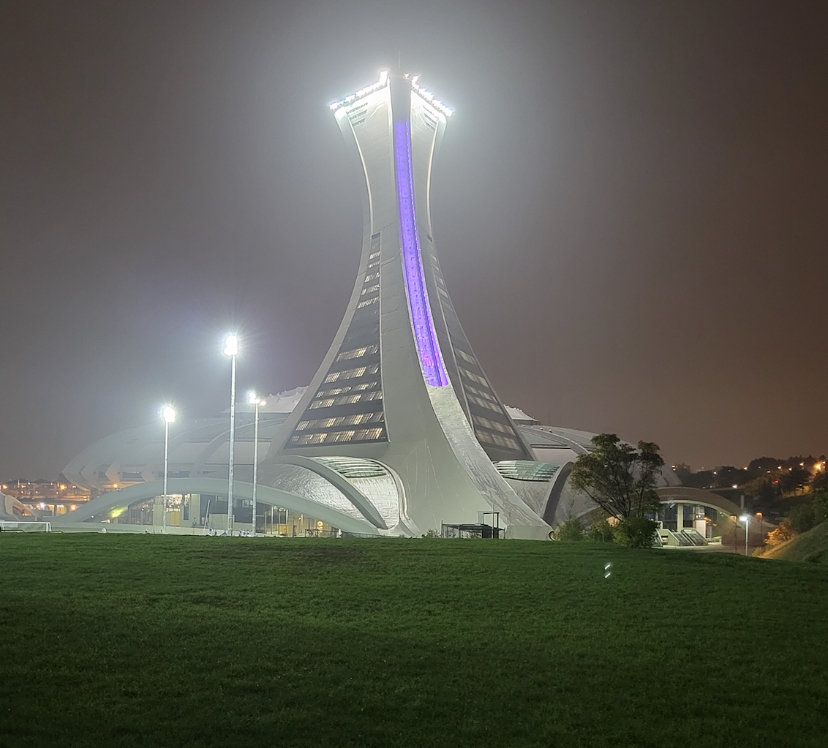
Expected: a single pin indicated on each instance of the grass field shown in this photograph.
(811, 546)
(139, 640)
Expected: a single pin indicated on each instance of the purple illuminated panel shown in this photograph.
(425, 336)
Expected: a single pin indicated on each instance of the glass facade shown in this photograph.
(348, 405)
(205, 511)
(492, 426)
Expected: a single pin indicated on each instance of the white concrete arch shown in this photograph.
(102, 507)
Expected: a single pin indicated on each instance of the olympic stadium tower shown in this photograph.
(400, 385)
(399, 431)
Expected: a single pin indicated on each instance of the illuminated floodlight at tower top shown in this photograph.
(381, 83)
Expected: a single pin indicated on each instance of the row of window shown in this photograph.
(350, 388)
(498, 439)
(474, 377)
(332, 437)
(482, 403)
(360, 371)
(369, 289)
(346, 399)
(428, 115)
(482, 393)
(466, 357)
(353, 420)
(368, 302)
(493, 425)
(366, 350)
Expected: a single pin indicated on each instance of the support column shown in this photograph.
(699, 522)
(157, 511)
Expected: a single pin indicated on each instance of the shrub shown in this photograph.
(820, 506)
(636, 532)
(781, 534)
(802, 518)
(600, 532)
(570, 529)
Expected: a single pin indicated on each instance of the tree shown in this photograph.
(781, 534)
(802, 517)
(570, 529)
(763, 493)
(794, 479)
(618, 477)
(635, 532)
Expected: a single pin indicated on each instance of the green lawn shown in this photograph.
(811, 546)
(128, 640)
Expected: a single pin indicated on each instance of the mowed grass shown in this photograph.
(811, 546)
(138, 640)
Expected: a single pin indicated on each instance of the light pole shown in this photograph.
(256, 402)
(231, 348)
(746, 519)
(168, 414)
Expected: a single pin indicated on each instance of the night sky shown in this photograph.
(629, 206)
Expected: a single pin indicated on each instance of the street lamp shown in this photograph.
(168, 414)
(231, 348)
(256, 402)
(746, 519)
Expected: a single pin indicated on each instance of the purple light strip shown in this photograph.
(425, 335)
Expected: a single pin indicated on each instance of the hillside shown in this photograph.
(148, 640)
(809, 546)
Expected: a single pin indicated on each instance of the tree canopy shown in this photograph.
(618, 477)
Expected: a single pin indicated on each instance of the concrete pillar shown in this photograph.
(699, 521)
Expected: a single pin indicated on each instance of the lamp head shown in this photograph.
(168, 414)
(231, 345)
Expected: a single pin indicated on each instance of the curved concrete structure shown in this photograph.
(355, 496)
(102, 507)
(697, 497)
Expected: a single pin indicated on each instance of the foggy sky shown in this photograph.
(629, 207)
